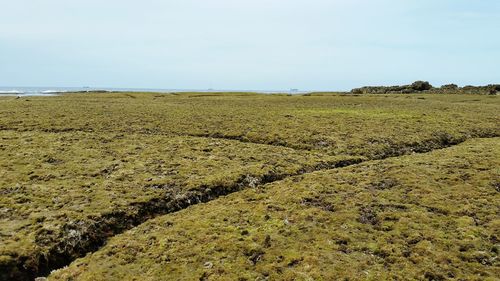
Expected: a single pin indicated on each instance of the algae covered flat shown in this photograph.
(431, 216)
(375, 126)
(76, 169)
(64, 193)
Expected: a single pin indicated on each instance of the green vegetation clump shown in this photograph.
(425, 87)
(493, 89)
(431, 216)
(449, 87)
(415, 87)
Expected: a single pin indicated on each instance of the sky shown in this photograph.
(248, 44)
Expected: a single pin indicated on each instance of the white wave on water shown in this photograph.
(11, 92)
(33, 91)
(54, 91)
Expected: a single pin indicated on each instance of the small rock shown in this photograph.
(208, 265)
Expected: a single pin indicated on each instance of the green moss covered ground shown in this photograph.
(64, 193)
(426, 217)
(369, 125)
(77, 169)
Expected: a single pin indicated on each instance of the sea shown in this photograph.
(54, 91)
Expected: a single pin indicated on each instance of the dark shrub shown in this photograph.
(493, 89)
(449, 87)
(421, 86)
(357, 91)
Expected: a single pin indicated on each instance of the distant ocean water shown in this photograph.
(52, 91)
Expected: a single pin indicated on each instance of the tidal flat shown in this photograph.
(228, 186)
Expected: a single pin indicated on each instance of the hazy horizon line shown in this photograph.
(291, 89)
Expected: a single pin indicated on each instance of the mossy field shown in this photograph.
(242, 186)
(433, 216)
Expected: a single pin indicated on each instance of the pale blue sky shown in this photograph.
(248, 44)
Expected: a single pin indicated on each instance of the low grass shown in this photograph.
(63, 194)
(431, 216)
(373, 126)
(77, 169)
